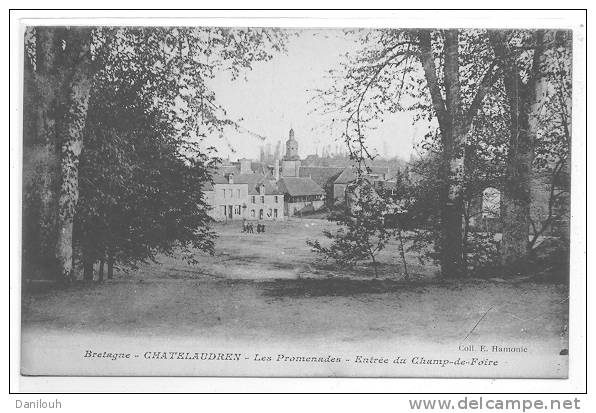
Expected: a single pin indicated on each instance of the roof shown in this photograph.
(296, 186)
(379, 170)
(252, 180)
(322, 175)
(226, 169)
(219, 175)
(219, 178)
(271, 188)
(349, 174)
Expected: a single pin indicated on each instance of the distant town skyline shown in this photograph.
(275, 96)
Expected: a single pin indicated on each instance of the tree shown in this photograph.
(169, 67)
(135, 197)
(524, 58)
(362, 233)
(553, 143)
(441, 75)
(401, 202)
(61, 71)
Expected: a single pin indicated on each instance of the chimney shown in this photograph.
(276, 170)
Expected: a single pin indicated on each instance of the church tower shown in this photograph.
(291, 148)
(291, 161)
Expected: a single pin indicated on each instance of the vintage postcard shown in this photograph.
(214, 200)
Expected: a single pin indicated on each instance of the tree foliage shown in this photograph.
(362, 232)
(143, 163)
(457, 86)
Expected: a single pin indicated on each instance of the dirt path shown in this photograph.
(289, 308)
(254, 294)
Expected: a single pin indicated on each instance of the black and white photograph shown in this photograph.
(276, 201)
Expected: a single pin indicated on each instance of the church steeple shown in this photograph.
(291, 147)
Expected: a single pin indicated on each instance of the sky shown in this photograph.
(275, 97)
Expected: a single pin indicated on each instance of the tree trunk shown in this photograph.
(41, 157)
(70, 134)
(110, 268)
(454, 126)
(87, 268)
(374, 263)
(451, 241)
(100, 272)
(402, 253)
(525, 102)
(516, 201)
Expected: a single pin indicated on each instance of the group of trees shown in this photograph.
(496, 105)
(114, 119)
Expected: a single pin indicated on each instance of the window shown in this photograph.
(230, 193)
(269, 213)
(253, 199)
(260, 214)
(276, 199)
(275, 212)
(223, 193)
(262, 200)
(237, 193)
(237, 209)
(252, 213)
(224, 210)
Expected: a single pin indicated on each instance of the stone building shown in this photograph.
(348, 175)
(244, 196)
(227, 197)
(301, 195)
(325, 177)
(265, 201)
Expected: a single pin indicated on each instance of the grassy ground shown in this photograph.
(349, 310)
(263, 285)
(281, 253)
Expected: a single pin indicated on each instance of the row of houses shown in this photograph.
(258, 191)
(256, 195)
(253, 190)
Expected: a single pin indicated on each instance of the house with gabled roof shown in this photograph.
(226, 196)
(324, 176)
(301, 195)
(265, 200)
(239, 196)
(349, 175)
